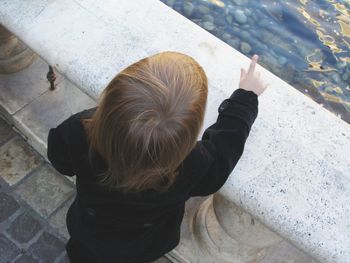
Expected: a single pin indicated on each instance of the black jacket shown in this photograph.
(129, 227)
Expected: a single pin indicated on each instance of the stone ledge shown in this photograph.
(293, 175)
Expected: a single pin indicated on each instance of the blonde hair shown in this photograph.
(148, 121)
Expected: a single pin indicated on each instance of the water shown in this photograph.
(306, 43)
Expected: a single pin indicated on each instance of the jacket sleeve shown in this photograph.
(58, 152)
(223, 142)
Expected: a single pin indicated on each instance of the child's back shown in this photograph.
(136, 158)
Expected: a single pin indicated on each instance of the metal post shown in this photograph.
(51, 77)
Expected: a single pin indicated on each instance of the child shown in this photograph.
(137, 161)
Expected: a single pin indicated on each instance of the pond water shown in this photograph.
(306, 43)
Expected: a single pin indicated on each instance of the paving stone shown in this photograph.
(8, 205)
(47, 248)
(52, 108)
(17, 159)
(24, 228)
(20, 88)
(8, 250)
(45, 190)
(58, 220)
(5, 131)
(26, 259)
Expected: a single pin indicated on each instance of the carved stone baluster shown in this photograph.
(14, 55)
(230, 235)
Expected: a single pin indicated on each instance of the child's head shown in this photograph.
(148, 120)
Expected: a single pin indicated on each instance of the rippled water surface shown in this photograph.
(306, 43)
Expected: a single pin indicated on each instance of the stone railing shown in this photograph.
(293, 179)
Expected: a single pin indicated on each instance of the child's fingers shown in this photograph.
(253, 64)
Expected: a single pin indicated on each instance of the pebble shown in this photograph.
(203, 9)
(238, 2)
(247, 12)
(338, 90)
(335, 76)
(226, 36)
(341, 64)
(188, 9)
(245, 35)
(177, 8)
(240, 17)
(245, 47)
(235, 29)
(273, 53)
(264, 23)
(328, 90)
(229, 19)
(170, 2)
(208, 18)
(208, 25)
(220, 20)
(282, 60)
(233, 43)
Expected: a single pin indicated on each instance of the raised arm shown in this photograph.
(223, 143)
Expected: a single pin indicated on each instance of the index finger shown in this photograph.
(253, 64)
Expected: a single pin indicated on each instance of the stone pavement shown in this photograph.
(34, 200)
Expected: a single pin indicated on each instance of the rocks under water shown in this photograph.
(305, 43)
